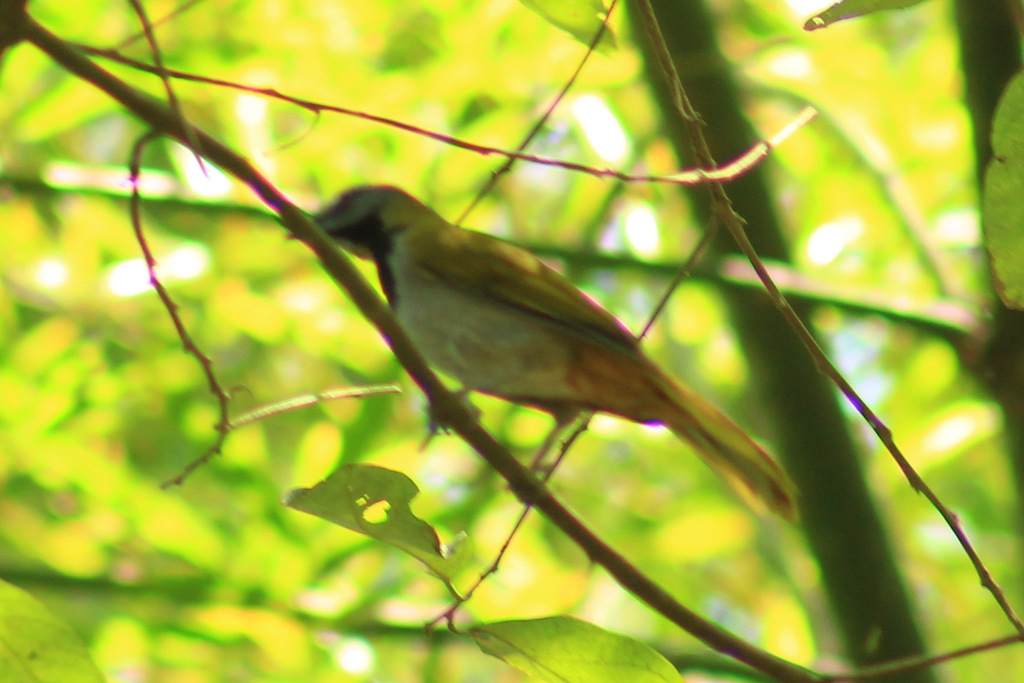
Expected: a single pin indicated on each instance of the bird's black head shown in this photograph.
(357, 221)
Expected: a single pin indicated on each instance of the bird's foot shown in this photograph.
(436, 423)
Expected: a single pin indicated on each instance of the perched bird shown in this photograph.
(501, 322)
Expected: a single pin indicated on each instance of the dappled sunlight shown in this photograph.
(874, 228)
(601, 128)
(131, 277)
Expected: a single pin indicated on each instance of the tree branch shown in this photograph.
(447, 406)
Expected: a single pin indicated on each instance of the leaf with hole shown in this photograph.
(375, 501)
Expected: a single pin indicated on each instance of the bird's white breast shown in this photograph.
(487, 345)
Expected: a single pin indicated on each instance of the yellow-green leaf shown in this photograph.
(376, 501)
(1002, 208)
(848, 9)
(568, 650)
(38, 647)
(582, 19)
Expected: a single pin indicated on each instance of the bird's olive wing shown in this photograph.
(510, 275)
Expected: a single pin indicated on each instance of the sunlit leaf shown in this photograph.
(567, 650)
(848, 9)
(580, 18)
(375, 501)
(36, 646)
(1003, 201)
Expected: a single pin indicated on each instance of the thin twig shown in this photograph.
(270, 410)
(449, 614)
(805, 116)
(911, 663)
(539, 124)
(487, 187)
(223, 425)
(681, 274)
(172, 99)
(734, 224)
(306, 400)
(177, 11)
(729, 171)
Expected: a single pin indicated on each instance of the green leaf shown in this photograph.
(582, 19)
(36, 646)
(848, 9)
(567, 650)
(1002, 209)
(375, 501)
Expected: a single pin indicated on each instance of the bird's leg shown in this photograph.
(536, 464)
(434, 425)
(563, 418)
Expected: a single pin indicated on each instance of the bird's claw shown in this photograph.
(435, 422)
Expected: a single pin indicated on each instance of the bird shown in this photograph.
(501, 322)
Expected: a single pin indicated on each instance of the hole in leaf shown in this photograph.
(376, 513)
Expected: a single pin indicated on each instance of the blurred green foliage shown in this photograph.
(215, 580)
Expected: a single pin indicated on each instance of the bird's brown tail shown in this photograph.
(630, 385)
(730, 451)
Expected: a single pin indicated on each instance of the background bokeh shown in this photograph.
(216, 581)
